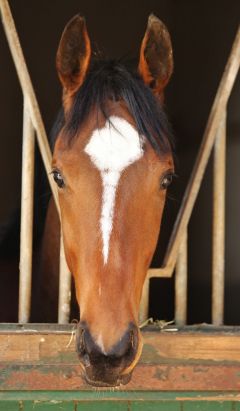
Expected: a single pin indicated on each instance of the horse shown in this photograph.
(112, 164)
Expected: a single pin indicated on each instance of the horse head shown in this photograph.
(112, 164)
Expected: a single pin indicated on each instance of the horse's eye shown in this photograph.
(58, 178)
(166, 181)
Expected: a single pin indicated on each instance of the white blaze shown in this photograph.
(112, 148)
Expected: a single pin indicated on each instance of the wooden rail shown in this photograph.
(39, 358)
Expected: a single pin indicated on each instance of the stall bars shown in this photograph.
(176, 255)
(32, 123)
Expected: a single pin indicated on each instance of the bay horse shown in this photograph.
(112, 163)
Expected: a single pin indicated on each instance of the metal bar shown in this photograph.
(64, 297)
(26, 234)
(218, 261)
(181, 283)
(27, 89)
(217, 111)
(144, 305)
(163, 272)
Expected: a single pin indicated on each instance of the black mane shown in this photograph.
(108, 79)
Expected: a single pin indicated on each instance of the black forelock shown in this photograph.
(111, 80)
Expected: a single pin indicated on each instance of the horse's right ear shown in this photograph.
(73, 55)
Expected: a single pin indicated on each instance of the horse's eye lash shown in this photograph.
(166, 180)
(58, 178)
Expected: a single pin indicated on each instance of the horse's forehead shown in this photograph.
(115, 146)
(111, 143)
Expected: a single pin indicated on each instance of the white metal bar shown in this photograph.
(26, 235)
(64, 298)
(218, 259)
(181, 283)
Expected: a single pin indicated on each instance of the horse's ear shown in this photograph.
(156, 59)
(73, 55)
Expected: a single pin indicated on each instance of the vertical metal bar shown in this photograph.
(218, 259)
(64, 298)
(26, 234)
(181, 283)
(144, 305)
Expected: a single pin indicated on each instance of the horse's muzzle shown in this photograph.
(110, 381)
(107, 369)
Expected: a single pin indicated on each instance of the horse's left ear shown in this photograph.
(73, 55)
(156, 57)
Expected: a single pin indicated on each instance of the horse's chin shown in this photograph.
(109, 382)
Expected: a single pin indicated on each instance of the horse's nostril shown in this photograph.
(126, 348)
(86, 360)
(134, 339)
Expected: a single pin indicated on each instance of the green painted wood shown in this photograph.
(102, 395)
(103, 406)
(155, 406)
(9, 406)
(208, 406)
(53, 405)
(102, 403)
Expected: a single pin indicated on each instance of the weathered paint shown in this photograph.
(117, 395)
(209, 406)
(151, 377)
(37, 360)
(9, 405)
(54, 405)
(155, 406)
(39, 370)
(112, 402)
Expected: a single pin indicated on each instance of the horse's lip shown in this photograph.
(120, 380)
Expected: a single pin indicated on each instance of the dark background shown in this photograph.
(202, 34)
